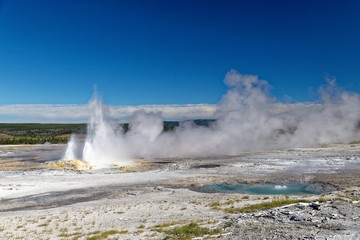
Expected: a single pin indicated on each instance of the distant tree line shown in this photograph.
(35, 133)
(31, 140)
(35, 130)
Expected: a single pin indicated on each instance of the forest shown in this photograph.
(38, 133)
(35, 133)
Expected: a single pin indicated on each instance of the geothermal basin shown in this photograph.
(38, 201)
(137, 184)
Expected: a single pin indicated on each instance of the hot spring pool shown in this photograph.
(266, 189)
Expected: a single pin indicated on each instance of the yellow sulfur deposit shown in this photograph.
(69, 164)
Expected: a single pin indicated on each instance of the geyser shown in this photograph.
(72, 149)
(103, 146)
(247, 119)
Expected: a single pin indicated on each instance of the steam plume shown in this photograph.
(103, 145)
(247, 119)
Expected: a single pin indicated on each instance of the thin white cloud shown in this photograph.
(61, 113)
(58, 113)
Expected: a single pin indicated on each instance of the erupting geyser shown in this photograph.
(102, 147)
(71, 150)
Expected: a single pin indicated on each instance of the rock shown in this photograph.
(340, 228)
(259, 214)
(315, 205)
(300, 207)
(159, 188)
(174, 167)
(286, 212)
(295, 218)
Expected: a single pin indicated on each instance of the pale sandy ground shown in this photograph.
(64, 204)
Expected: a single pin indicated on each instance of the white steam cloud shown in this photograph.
(103, 146)
(247, 119)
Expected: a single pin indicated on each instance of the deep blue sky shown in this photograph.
(173, 52)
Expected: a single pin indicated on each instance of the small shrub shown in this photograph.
(215, 205)
(229, 202)
(322, 200)
(228, 224)
(43, 225)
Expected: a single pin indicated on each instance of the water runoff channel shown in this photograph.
(264, 189)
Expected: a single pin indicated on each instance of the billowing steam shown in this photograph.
(247, 119)
(103, 145)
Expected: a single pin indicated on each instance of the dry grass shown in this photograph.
(190, 231)
(263, 206)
